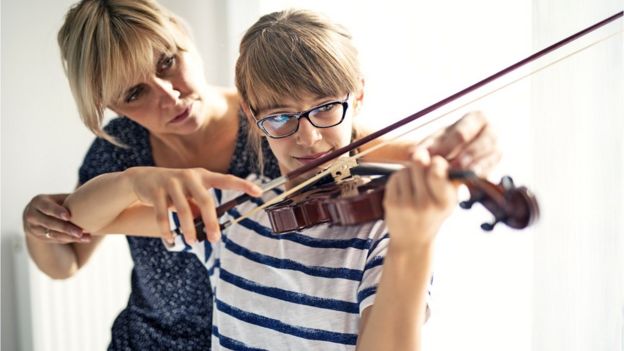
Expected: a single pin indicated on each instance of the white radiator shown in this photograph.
(74, 314)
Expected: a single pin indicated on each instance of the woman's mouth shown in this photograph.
(182, 116)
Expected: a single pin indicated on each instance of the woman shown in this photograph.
(137, 59)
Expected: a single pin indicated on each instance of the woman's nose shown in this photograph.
(169, 95)
(307, 135)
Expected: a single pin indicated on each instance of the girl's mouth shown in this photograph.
(312, 157)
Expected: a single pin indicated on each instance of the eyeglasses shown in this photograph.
(283, 125)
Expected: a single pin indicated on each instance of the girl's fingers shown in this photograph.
(421, 193)
(441, 189)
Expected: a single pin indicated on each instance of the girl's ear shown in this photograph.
(246, 110)
(358, 97)
(250, 119)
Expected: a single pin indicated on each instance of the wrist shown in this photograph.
(129, 178)
(412, 253)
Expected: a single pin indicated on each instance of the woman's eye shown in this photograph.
(133, 94)
(165, 64)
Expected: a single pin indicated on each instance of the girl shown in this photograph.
(318, 289)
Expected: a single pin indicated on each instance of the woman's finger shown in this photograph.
(53, 206)
(161, 208)
(204, 200)
(180, 202)
(226, 181)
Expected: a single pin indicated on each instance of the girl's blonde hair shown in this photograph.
(107, 45)
(293, 53)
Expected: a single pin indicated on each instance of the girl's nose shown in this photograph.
(307, 135)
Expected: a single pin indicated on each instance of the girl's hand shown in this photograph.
(417, 200)
(188, 192)
(470, 143)
(45, 219)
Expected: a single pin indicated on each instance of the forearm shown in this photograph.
(395, 151)
(97, 203)
(59, 261)
(396, 319)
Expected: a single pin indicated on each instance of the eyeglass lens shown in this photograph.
(324, 116)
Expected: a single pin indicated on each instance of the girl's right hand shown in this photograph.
(186, 191)
(45, 219)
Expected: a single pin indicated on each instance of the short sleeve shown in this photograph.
(105, 157)
(373, 267)
(202, 249)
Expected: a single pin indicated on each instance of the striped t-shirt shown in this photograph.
(295, 291)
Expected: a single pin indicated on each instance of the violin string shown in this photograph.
(277, 198)
(281, 180)
(480, 97)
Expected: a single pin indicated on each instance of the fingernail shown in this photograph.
(84, 239)
(75, 232)
(258, 190)
(65, 216)
(464, 161)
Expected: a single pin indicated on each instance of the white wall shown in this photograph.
(578, 157)
(41, 141)
(506, 290)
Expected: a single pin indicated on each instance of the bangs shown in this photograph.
(131, 53)
(279, 64)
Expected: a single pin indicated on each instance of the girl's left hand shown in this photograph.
(418, 199)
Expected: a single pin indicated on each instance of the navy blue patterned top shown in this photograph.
(170, 304)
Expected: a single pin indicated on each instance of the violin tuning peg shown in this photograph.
(466, 205)
(507, 183)
(489, 226)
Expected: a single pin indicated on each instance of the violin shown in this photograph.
(351, 201)
(354, 201)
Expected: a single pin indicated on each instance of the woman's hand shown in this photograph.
(45, 219)
(418, 199)
(188, 192)
(469, 143)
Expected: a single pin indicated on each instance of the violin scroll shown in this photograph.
(514, 206)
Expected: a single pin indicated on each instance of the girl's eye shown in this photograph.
(165, 64)
(326, 108)
(280, 119)
(133, 94)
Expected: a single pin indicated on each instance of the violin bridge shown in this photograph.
(341, 169)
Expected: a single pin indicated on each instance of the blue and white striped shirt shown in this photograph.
(294, 291)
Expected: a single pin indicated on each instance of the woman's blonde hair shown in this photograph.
(106, 45)
(293, 53)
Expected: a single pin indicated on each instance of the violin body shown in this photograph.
(356, 200)
(352, 201)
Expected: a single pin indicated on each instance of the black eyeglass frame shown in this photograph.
(303, 114)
